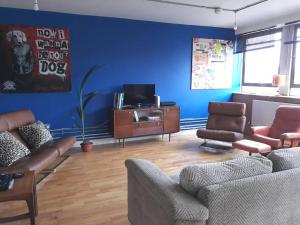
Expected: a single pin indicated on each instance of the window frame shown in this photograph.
(262, 33)
(294, 51)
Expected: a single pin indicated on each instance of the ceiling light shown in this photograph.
(218, 10)
(35, 5)
(235, 24)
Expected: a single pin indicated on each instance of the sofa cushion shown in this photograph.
(62, 145)
(13, 120)
(36, 161)
(285, 159)
(192, 178)
(35, 134)
(11, 150)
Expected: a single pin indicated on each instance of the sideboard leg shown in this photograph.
(123, 142)
(169, 137)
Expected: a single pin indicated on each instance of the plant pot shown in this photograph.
(87, 147)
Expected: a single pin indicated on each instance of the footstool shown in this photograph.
(252, 146)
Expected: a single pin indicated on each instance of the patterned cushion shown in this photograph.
(285, 159)
(36, 134)
(11, 149)
(192, 178)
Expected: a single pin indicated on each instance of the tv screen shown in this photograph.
(135, 94)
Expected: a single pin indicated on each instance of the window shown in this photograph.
(296, 62)
(261, 59)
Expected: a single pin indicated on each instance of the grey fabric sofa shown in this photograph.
(154, 198)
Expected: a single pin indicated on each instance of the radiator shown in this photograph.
(105, 130)
(263, 112)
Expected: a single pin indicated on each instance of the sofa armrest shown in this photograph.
(154, 198)
(261, 130)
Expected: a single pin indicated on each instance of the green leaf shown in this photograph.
(79, 112)
(88, 98)
(87, 76)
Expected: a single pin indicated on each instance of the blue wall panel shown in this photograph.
(131, 52)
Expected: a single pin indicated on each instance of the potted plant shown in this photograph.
(84, 100)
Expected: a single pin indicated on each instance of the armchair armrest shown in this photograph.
(290, 136)
(154, 198)
(290, 139)
(261, 130)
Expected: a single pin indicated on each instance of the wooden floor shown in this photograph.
(91, 188)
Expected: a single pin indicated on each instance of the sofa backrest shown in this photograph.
(264, 199)
(229, 116)
(13, 120)
(287, 119)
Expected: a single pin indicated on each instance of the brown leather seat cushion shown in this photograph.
(62, 145)
(220, 135)
(36, 161)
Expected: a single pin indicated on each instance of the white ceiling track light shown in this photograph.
(235, 27)
(217, 10)
(36, 5)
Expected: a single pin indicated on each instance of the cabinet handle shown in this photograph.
(129, 112)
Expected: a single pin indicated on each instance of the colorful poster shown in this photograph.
(34, 59)
(212, 64)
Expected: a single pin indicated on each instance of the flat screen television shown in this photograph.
(139, 94)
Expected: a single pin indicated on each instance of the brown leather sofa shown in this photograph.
(226, 122)
(43, 157)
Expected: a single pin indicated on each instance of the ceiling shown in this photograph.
(266, 14)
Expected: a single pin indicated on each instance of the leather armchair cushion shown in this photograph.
(287, 119)
(261, 130)
(220, 135)
(229, 123)
(227, 108)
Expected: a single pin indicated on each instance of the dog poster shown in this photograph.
(34, 59)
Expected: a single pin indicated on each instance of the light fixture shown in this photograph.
(217, 10)
(36, 5)
(235, 24)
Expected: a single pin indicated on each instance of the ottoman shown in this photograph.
(252, 146)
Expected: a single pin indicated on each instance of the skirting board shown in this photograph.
(112, 140)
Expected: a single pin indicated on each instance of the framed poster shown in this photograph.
(211, 64)
(34, 59)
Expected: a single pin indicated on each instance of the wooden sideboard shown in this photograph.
(145, 121)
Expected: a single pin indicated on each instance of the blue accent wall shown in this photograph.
(131, 52)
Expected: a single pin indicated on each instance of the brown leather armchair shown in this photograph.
(226, 122)
(285, 129)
